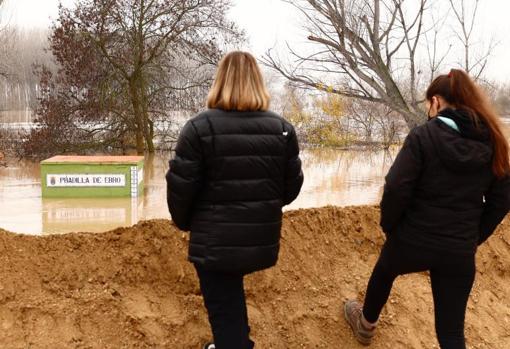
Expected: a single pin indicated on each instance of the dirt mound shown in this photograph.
(132, 288)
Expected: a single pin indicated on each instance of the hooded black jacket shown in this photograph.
(441, 192)
(231, 175)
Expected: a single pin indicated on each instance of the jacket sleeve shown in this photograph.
(185, 176)
(496, 207)
(293, 172)
(400, 183)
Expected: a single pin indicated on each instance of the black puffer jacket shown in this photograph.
(231, 175)
(441, 192)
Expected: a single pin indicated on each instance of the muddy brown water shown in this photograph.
(333, 177)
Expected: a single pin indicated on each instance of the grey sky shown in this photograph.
(271, 23)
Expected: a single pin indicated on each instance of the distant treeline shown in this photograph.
(26, 49)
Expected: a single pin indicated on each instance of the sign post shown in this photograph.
(92, 176)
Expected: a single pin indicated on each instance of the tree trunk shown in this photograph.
(144, 132)
(137, 111)
(412, 118)
(151, 135)
(415, 118)
(148, 135)
(140, 148)
(147, 123)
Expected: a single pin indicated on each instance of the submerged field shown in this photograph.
(133, 288)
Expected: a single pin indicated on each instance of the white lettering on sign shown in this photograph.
(85, 180)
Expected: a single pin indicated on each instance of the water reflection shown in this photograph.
(93, 215)
(333, 177)
(20, 197)
(343, 178)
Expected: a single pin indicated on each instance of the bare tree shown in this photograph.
(132, 36)
(464, 31)
(435, 54)
(372, 50)
(21, 85)
(388, 128)
(5, 46)
(376, 122)
(363, 43)
(364, 115)
(124, 65)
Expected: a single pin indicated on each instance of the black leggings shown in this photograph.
(451, 276)
(226, 306)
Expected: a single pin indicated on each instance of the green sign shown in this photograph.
(92, 176)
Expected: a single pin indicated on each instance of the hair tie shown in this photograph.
(450, 74)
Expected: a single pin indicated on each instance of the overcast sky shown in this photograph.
(271, 23)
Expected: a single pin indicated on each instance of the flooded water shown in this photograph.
(333, 177)
(16, 116)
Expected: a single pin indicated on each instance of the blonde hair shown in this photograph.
(238, 85)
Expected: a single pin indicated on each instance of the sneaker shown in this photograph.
(209, 345)
(363, 330)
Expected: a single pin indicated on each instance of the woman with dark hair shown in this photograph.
(236, 165)
(445, 194)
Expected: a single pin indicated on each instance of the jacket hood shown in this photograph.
(468, 149)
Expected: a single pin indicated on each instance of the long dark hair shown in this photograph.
(460, 91)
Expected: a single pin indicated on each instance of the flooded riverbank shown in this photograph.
(333, 177)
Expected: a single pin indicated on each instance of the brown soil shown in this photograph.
(133, 288)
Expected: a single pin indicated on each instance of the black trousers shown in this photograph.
(226, 306)
(451, 277)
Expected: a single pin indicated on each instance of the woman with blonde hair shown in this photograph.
(236, 165)
(445, 194)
